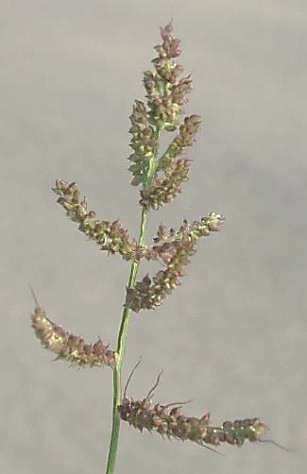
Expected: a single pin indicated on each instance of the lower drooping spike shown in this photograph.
(169, 421)
(68, 346)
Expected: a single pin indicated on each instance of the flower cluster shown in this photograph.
(165, 188)
(109, 236)
(171, 171)
(167, 90)
(69, 347)
(143, 142)
(173, 249)
(169, 421)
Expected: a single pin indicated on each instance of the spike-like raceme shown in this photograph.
(168, 420)
(167, 89)
(165, 187)
(110, 236)
(174, 249)
(68, 346)
(171, 171)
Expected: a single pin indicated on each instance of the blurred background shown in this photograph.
(233, 337)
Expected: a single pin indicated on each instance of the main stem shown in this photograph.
(123, 330)
(121, 344)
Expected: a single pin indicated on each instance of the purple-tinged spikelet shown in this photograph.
(69, 347)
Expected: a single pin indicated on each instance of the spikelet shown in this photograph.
(69, 347)
(169, 421)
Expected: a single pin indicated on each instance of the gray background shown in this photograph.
(233, 337)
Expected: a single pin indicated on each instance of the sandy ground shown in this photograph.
(233, 337)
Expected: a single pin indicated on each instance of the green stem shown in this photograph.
(121, 344)
(123, 330)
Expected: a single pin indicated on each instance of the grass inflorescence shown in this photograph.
(159, 175)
